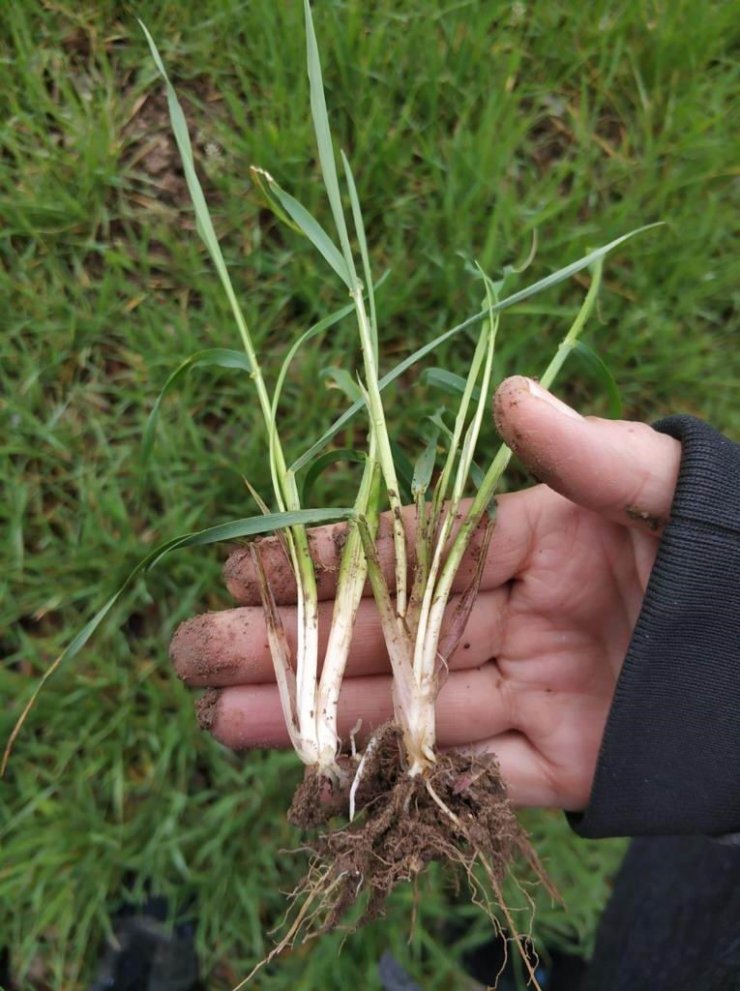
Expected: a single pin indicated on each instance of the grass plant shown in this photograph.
(97, 274)
(406, 821)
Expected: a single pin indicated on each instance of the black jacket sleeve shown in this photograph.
(670, 757)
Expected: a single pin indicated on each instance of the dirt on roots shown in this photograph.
(458, 812)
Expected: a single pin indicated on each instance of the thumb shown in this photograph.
(625, 470)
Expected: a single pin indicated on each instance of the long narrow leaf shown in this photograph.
(313, 231)
(601, 372)
(404, 471)
(473, 431)
(318, 328)
(424, 467)
(477, 363)
(448, 381)
(437, 418)
(221, 357)
(182, 137)
(261, 177)
(576, 328)
(340, 378)
(250, 527)
(325, 144)
(362, 241)
(265, 509)
(549, 280)
(323, 462)
(204, 223)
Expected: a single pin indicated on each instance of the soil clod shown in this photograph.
(652, 522)
(205, 708)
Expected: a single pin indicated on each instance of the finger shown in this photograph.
(625, 470)
(508, 548)
(231, 647)
(473, 705)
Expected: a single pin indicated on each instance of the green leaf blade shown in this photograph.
(340, 378)
(364, 253)
(602, 374)
(318, 328)
(324, 461)
(220, 357)
(424, 467)
(251, 526)
(324, 141)
(313, 230)
(182, 139)
(404, 471)
(448, 382)
(540, 286)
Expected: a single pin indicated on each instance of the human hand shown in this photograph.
(533, 677)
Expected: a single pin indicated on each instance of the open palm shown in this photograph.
(535, 672)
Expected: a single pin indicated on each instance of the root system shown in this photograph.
(457, 813)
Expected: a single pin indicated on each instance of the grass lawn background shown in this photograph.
(469, 126)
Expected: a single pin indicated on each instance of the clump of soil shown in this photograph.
(458, 812)
(205, 708)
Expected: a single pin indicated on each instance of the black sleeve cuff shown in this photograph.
(670, 757)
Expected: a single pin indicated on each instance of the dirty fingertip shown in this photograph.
(518, 388)
(506, 398)
(237, 575)
(187, 645)
(536, 390)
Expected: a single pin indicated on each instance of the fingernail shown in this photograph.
(536, 390)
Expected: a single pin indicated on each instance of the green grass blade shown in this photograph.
(471, 436)
(546, 283)
(340, 378)
(202, 215)
(424, 467)
(263, 507)
(477, 476)
(437, 418)
(313, 230)
(324, 141)
(323, 462)
(249, 527)
(524, 265)
(318, 328)
(261, 179)
(221, 357)
(362, 241)
(501, 460)
(404, 471)
(604, 377)
(477, 363)
(447, 381)
(182, 137)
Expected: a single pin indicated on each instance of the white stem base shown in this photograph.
(419, 731)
